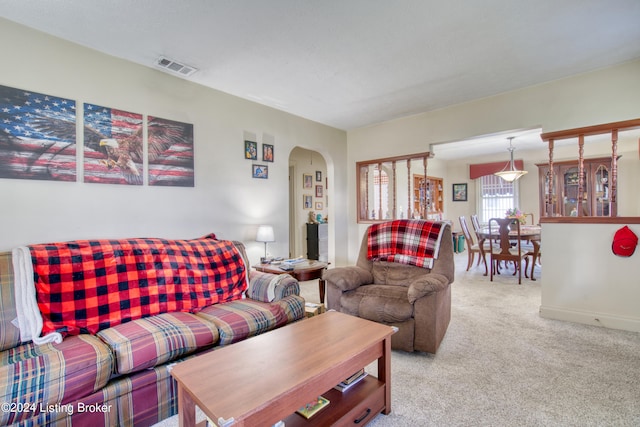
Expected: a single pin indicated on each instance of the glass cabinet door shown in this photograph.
(570, 204)
(601, 192)
(597, 194)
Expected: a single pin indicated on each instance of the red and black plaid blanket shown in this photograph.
(87, 285)
(405, 241)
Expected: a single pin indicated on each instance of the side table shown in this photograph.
(302, 271)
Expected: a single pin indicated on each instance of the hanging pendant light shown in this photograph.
(512, 174)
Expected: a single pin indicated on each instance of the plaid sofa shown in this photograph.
(120, 376)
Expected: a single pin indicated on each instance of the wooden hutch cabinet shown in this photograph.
(596, 199)
(427, 197)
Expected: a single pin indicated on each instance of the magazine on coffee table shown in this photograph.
(351, 381)
(311, 408)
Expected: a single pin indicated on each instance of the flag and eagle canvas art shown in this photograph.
(38, 141)
(170, 153)
(113, 146)
(37, 136)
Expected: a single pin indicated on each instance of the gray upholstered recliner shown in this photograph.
(417, 300)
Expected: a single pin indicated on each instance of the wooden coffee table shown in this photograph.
(265, 379)
(302, 271)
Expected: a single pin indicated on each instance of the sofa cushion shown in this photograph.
(50, 374)
(154, 340)
(380, 303)
(9, 334)
(245, 318)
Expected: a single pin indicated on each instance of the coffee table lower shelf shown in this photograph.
(359, 405)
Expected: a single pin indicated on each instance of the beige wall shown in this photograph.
(225, 199)
(594, 286)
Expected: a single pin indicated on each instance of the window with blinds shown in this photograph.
(496, 196)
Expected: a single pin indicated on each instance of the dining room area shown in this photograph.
(509, 245)
(579, 203)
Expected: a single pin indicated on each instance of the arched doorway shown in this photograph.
(307, 195)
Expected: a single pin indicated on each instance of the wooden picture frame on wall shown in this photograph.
(319, 192)
(307, 180)
(307, 201)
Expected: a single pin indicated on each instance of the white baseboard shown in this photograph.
(591, 318)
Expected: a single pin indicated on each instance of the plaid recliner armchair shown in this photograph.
(394, 291)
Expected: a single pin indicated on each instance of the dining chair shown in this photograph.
(533, 218)
(472, 246)
(530, 252)
(509, 245)
(476, 224)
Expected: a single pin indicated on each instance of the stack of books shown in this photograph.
(351, 381)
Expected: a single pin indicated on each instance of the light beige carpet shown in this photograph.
(501, 364)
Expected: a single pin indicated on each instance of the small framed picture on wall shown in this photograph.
(319, 192)
(251, 150)
(460, 192)
(318, 176)
(318, 206)
(307, 201)
(307, 181)
(267, 153)
(261, 171)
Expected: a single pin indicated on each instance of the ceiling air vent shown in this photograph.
(175, 67)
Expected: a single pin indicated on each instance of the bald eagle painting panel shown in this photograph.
(37, 136)
(113, 147)
(170, 153)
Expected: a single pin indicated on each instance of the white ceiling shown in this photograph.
(352, 63)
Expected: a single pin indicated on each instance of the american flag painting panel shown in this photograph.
(113, 147)
(37, 136)
(170, 153)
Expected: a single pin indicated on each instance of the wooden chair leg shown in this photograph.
(469, 259)
(520, 272)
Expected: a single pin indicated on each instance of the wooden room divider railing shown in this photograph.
(580, 133)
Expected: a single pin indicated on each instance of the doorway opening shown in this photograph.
(308, 197)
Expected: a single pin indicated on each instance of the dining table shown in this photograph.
(529, 233)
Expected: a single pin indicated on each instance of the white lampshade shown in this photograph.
(265, 234)
(512, 173)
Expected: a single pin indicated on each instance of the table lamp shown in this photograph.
(265, 234)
